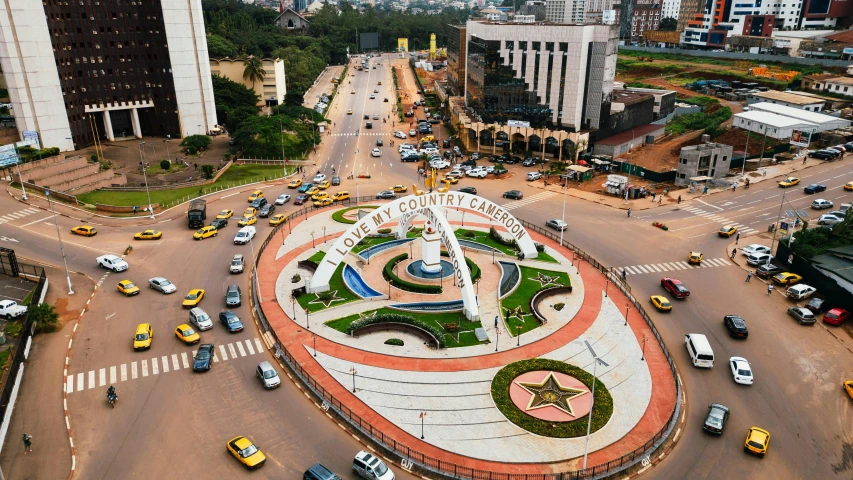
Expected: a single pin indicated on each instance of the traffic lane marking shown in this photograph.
(37, 221)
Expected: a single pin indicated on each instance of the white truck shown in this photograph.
(10, 309)
(112, 262)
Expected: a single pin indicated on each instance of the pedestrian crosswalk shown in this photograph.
(8, 217)
(743, 229)
(673, 266)
(363, 134)
(156, 365)
(527, 200)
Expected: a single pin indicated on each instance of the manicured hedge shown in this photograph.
(475, 270)
(602, 408)
(394, 341)
(398, 318)
(338, 216)
(388, 274)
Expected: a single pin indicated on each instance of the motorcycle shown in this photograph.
(112, 399)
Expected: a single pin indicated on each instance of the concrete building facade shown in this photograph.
(565, 11)
(708, 160)
(457, 52)
(646, 16)
(292, 21)
(271, 90)
(106, 70)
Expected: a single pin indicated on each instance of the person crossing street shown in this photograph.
(749, 276)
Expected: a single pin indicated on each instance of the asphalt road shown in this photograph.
(181, 420)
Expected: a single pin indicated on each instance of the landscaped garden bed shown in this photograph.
(516, 307)
(338, 216)
(338, 293)
(455, 330)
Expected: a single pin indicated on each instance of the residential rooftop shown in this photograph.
(787, 97)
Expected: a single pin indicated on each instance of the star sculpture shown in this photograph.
(516, 312)
(333, 297)
(545, 280)
(367, 316)
(550, 393)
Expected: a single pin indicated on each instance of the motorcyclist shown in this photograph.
(111, 392)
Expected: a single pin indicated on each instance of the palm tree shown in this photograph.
(492, 133)
(254, 70)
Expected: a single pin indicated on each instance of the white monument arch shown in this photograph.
(429, 205)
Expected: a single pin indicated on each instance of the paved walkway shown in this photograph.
(300, 343)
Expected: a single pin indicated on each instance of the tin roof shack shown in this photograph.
(708, 159)
(628, 110)
(618, 144)
(789, 99)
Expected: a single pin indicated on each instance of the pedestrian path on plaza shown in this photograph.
(527, 200)
(163, 364)
(718, 218)
(674, 266)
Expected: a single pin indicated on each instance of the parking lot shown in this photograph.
(12, 288)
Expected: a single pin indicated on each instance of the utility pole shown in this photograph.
(778, 219)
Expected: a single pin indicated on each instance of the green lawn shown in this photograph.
(234, 176)
(336, 284)
(485, 239)
(338, 216)
(156, 170)
(463, 338)
(4, 358)
(367, 242)
(522, 295)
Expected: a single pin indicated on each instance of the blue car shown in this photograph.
(231, 321)
(815, 188)
(305, 186)
(203, 358)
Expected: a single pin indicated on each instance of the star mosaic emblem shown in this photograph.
(516, 312)
(545, 280)
(549, 393)
(367, 316)
(333, 297)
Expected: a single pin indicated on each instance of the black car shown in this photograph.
(513, 194)
(380, 143)
(336, 181)
(716, 419)
(258, 203)
(513, 160)
(736, 326)
(491, 158)
(434, 121)
(445, 144)
(814, 188)
(822, 155)
(386, 100)
(767, 270)
(367, 117)
(410, 157)
(471, 190)
(231, 321)
(319, 472)
(266, 210)
(818, 305)
(233, 296)
(386, 194)
(368, 125)
(203, 358)
(219, 223)
(528, 162)
(472, 163)
(301, 199)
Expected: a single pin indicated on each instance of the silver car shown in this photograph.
(267, 375)
(557, 224)
(803, 315)
(200, 319)
(162, 285)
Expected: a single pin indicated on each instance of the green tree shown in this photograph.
(218, 46)
(668, 24)
(294, 99)
(165, 165)
(234, 102)
(194, 143)
(207, 171)
(45, 316)
(254, 70)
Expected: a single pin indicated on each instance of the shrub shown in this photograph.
(94, 158)
(207, 171)
(394, 341)
(497, 237)
(165, 165)
(398, 318)
(194, 143)
(388, 274)
(384, 231)
(559, 306)
(45, 316)
(452, 327)
(324, 296)
(539, 247)
(469, 234)
(295, 278)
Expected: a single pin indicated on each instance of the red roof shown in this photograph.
(842, 37)
(636, 132)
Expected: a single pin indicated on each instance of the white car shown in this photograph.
(741, 370)
(428, 151)
(372, 96)
(557, 224)
(376, 153)
(800, 292)
(439, 164)
(757, 259)
(370, 467)
(282, 199)
(236, 264)
(404, 147)
(244, 235)
(828, 219)
(319, 177)
(412, 132)
(821, 204)
(478, 172)
(400, 134)
(10, 309)
(490, 169)
(754, 248)
(200, 319)
(162, 285)
(532, 176)
(112, 262)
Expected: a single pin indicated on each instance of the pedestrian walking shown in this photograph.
(804, 159)
(28, 443)
(624, 275)
(496, 321)
(737, 238)
(769, 289)
(734, 252)
(679, 199)
(734, 186)
(653, 196)
(748, 276)
(660, 200)
(629, 212)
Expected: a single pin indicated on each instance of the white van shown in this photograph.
(800, 291)
(699, 350)
(244, 235)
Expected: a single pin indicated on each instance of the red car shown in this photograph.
(675, 287)
(301, 199)
(836, 316)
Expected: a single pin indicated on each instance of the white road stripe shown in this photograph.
(240, 348)
(144, 368)
(164, 360)
(133, 374)
(37, 221)
(645, 268)
(123, 372)
(184, 360)
(81, 383)
(113, 378)
(155, 367)
(233, 352)
(69, 386)
(250, 347)
(91, 379)
(215, 357)
(224, 353)
(656, 268)
(175, 365)
(258, 345)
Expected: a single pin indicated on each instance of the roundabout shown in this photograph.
(453, 366)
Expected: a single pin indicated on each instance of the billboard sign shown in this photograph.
(402, 44)
(8, 156)
(800, 138)
(608, 17)
(517, 123)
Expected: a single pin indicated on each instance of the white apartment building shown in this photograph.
(670, 9)
(565, 11)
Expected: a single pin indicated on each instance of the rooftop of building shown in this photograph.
(705, 146)
(773, 120)
(636, 132)
(796, 113)
(818, 96)
(509, 23)
(653, 91)
(842, 37)
(629, 97)
(820, 76)
(841, 80)
(787, 97)
(838, 261)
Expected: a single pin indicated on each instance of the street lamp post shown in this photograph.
(596, 361)
(312, 239)
(518, 337)
(353, 371)
(166, 141)
(23, 190)
(645, 338)
(145, 177)
(61, 248)
(627, 309)
(562, 227)
(497, 338)
(422, 415)
(315, 345)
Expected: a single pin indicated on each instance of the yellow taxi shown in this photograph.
(255, 195)
(323, 202)
(349, 111)
(128, 288)
(398, 188)
(204, 232)
(757, 441)
(149, 235)
(312, 191)
(250, 212)
(727, 231)
(143, 336)
(277, 219)
(848, 186)
(452, 179)
(84, 230)
(193, 298)
(247, 221)
(786, 278)
(789, 182)
(186, 334)
(340, 196)
(246, 452)
(695, 258)
(295, 183)
(848, 387)
(324, 184)
(225, 214)
(661, 303)
(319, 196)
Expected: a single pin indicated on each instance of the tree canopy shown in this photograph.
(668, 24)
(234, 102)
